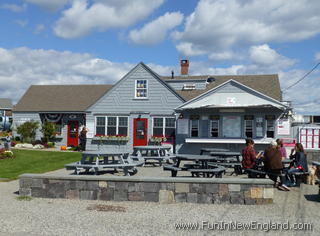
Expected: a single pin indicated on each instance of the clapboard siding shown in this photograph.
(120, 99)
(21, 117)
(178, 85)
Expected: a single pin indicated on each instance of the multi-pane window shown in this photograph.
(123, 126)
(158, 127)
(112, 125)
(194, 128)
(170, 127)
(164, 127)
(259, 127)
(214, 126)
(270, 126)
(141, 90)
(248, 126)
(100, 126)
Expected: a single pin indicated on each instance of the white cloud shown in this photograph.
(263, 55)
(155, 31)
(22, 67)
(39, 28)
(81, 18)
(189, 49)
(217, 26)
(22, 23)
(14, 7)
(51, 5)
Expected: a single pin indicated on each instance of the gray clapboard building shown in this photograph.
(190, 111)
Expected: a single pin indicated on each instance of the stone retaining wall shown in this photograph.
(163, 190)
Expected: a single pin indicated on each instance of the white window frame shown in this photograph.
(163, 124)
(274, 128)
(106, 124)
(210, 128)
(198, 121)
(135, 89)
(95, 124)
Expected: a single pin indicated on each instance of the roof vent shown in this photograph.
(189, 87)
(210, 80)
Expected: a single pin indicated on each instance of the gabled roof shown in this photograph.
(60, 98)
(5, 103)
(257, 99)
(266, 84)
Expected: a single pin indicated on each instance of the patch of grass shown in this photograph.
(24, 198)
(30, 161)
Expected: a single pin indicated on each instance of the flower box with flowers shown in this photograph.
(118, 138)
(157, 140)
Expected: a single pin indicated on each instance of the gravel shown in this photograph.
(77, 217)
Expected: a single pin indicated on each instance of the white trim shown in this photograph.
(106, 124)
(190, 130)
(210, 128)
(163, 124)
(237, 141)
(231, 80)
(135, 89)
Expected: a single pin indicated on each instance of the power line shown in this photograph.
(303, 77)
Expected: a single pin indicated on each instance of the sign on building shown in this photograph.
(283, 127)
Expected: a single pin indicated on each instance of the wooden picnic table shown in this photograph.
(199, 167)
(202, 150)
(97, 160)
(153, 152)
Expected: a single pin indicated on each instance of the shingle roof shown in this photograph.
(5, 103)
(56, 98)
(266, 84)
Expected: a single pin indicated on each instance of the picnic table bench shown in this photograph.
(154, 152)
(98, 160)
(203, 150)
(200, 167)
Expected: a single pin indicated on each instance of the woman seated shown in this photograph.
(249, 155)
(273, 165)
(299, 163)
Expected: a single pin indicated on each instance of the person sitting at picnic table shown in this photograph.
(83, 138)
(249, 155)
(273, 165)
(282, 149)
(299, 163)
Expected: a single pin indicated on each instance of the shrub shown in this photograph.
(28, 131)
(17, 138)
(50, 144)
(48, 130)
(4, 154)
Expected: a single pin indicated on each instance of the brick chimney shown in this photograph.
(184, 67)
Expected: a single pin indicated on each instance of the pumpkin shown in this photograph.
(63, 148)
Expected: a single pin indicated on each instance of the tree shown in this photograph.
(48, 130)
(28, 130)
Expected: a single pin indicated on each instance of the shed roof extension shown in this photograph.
(60, 98)
(266, 84)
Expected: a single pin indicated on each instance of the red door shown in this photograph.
(73, 130)
(140, 128)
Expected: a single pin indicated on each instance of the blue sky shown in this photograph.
(98, 41)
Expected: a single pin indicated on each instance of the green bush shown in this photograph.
(48, 130)
(28, 130)
(50, 144)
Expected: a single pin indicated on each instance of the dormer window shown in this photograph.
(189, 87)
(141, 89)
